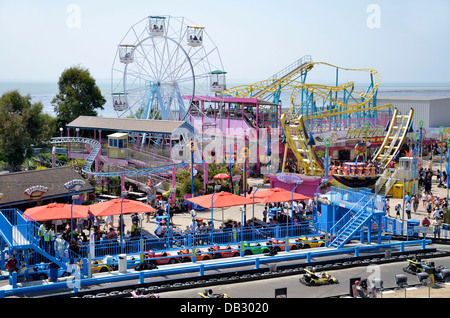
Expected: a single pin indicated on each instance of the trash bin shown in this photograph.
(122, 263)
(397, 191)
(53, 272)
(410, 224)
(446, 218)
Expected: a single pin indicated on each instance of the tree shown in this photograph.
(23, 128)
(78, 95)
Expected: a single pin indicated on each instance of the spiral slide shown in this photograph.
(298, 139)
(395, 137)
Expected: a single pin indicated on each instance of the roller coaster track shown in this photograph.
(395, 137)
(271, 85)
(96, 149)
(341, 99)
(297, 138)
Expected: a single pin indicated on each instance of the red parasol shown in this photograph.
(116, 207)
(56, 211)
(276, 195)
(220, 200)
(221, 176)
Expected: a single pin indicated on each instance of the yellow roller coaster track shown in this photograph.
(395, 137)
(297, 139)
(286, 82)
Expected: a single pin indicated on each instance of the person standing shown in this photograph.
(408, 209)
(11, 264)
(265, 215)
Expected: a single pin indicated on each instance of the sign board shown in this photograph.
(36, 192)
(281, 292)
(75, 184)
(289, 178)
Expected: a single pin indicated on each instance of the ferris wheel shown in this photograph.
(162, 64)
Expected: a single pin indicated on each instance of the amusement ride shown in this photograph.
(168, 69)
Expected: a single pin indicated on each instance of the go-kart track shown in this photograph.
(236, 276)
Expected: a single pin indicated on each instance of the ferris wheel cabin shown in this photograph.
(194, 35)
(157, 25)
(119, 102)
(218, 82)
(126, 53)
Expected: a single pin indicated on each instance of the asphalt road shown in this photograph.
(265, 288)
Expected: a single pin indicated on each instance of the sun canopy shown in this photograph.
(116, 207)
(56, 211)
(275, 195)
(220, 200)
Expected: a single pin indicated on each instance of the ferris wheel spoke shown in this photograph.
(180, 69)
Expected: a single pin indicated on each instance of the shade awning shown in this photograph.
(116, 207)
(56, 211)
(220, 200)
(275, 195)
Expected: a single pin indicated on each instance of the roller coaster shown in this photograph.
(338, 107)
(316, 102)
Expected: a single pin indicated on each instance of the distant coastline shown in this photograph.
(45, 91)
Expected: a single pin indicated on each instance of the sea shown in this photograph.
(45, 91)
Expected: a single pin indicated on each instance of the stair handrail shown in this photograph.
(343, 220)
(363, 210)
(384, 177)
(391, 181)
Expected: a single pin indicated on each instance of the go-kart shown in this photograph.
(209, 294)
(416, 266)
(280, 245)
(162, 257)
(304, 242)
(311, 278)
(186, 255)
(223, 252)
(256, 248)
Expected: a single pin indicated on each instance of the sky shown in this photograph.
(406, 41)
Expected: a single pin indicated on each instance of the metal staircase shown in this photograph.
(353, 220)
(21, 234)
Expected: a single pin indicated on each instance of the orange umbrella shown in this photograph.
(276, 195)
(220, 200)
(221, 176)
(116, 207)
(56, 211)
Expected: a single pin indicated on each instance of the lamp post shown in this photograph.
(254, 193)
(192, 147)
(216, 188)
(448, 165)
(122, 227)
(441, 131)
(193, 226)
(171, 191)
(245, 154)
(292, 198)
(74, 197)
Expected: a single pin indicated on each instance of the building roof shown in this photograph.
(129, 124)
(13, 184)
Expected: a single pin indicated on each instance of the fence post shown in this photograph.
(202, 270)
(257, 263)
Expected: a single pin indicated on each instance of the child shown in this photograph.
(387, 207)
(397, 209)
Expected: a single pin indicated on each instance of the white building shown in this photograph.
(434, 112)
